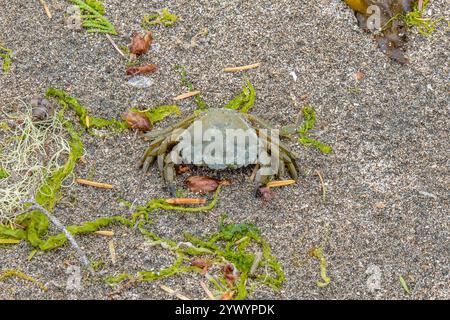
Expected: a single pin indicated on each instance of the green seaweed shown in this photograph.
(92, 17)
(164, 17)
(96, 5)
(158, 113)
(309, 116)
(221, 247)
(88, 122)
(245, 100)
(405, 285)
(142, 212)
(5, 54)
(113, 280)
(98, 265)
(318, 254)
(19, 274)
(201, 104)
(3, 173)
(425, 26)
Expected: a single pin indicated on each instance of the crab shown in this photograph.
(240, 140)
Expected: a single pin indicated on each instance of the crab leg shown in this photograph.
(165, 132)
(281, 169)
(286, 159)
(264, 125)
(154, 145)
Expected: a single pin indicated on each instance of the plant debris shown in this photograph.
(5, 54)
(15, 273)
(92, 15)
(202, 264)
(203, 184)
(415, 18)
(186, 95)
(318, 254)
(201, 104)
(9, 241)
(106, 233)
(31, 153)
(405, 285)
(173, 292)
(280, 183)
(242, 68)
(222, 250)
(309, 116)
(137, 120)
(395, 16)
(46, 9)
(163, 17)
(245, 100)
(94, 184)
(140, 44)
(112, 251)
(183, 201)
(86, 120)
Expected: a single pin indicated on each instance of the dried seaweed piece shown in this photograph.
(137, 120)
(384, 19)
(141, 70)
(140, 44)
(165, 17)
(202, 264)
(203, 184)
(5, 55)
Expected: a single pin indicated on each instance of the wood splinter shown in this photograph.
(106, 233)
(280, 183)
(242, 68)
(46, 9)
(178, 201)
(94, 184)
(186, 95)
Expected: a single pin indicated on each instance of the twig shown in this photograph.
(178, 201)
(94, 184)
(115, 46)
(47, 10)
(112, 251)
(420, 5)
(242, 68)
(106, 233)
(57, 223)
(173, 292)
(125, 286)
(258, 258)
(186, 95)
(9, 241)
(322, 184)
(208, 292)
(280, 183)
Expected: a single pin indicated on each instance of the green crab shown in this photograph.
(220, 139)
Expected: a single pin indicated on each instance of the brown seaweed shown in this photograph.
(383, 19)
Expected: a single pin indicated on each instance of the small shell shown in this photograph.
(41, 109)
